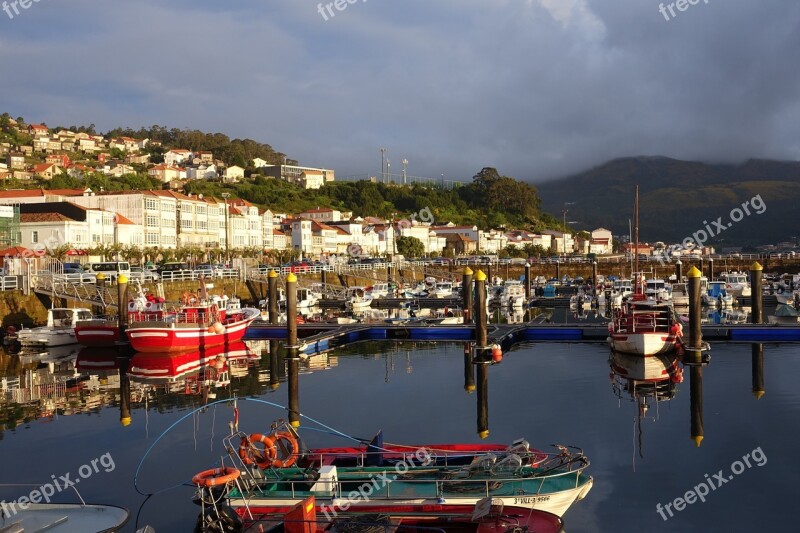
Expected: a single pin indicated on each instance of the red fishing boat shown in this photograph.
(103, 332)
(204, 324)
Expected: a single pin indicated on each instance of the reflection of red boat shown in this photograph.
(97, 359)
(203, 324)
(170, 366)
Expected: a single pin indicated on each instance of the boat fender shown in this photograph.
(497, 353)
(218, 328)
(291, 458)
(247, 447)
(216, 476)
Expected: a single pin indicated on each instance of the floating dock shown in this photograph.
(317, 337)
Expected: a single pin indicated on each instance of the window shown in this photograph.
(202, 225)
(151, 204)
(201, 210)
(152, 221)
(34, 236)
(166, 206)
(95, 237)
(186, 223)
(167, 222)
(152, 239)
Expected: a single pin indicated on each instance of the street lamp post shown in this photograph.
(383, 164)
(564, 214)
(405, 164)
(225, 197)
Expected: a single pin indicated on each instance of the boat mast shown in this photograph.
(637, 289)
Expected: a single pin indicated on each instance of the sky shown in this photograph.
(538, 89)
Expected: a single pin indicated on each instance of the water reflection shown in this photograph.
(646, 381)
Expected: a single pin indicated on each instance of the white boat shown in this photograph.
(380, 290)
(656, 289)
(736, 284)
(785, 314)
(513, 294)
(680, 295)
(63, 518)
(644, 327)
(357, 298)
(443, 289)
(717, 295)
(307, 298)
(60, 328)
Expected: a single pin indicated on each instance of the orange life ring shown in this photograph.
(247, 448)
(292, 457)
(186, 297)
(216, 476)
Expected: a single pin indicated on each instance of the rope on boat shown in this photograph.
(203, 408)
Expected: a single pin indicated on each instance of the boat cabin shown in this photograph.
(62, 317)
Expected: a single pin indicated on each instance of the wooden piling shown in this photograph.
(292, 350)
(469, 370)
(100, 283)
(695, 314)
(483, 399)
(122, 304)
(272, 296)
(757, 293)
(711, 269)
(758, 370)
(678, 271)
(527, 281)
(480, 315)
(466, 294)
(696, 403)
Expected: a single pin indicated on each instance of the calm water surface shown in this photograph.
(415, 392)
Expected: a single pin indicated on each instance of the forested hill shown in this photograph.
(676, 197)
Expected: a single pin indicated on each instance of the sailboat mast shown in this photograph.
(637, 289)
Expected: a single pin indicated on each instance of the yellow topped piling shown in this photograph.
(756, 266)
(697, 440)
(291, 278)
(467, 271)
(694, 273)
(272, 274)
(480, 276)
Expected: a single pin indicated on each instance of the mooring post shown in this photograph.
(323, 277)
(466, 294)
(558, 270)
(274, 364)
(100, 283)
(696, 403)
(124, 392)
(757, 294)
(758, 370)
(710, 269)
(480, 315)
(483, 399)
(122, 304)
(527, 282)
(272, 296)
(695, 330)
(292, 350)
(480, 358)
(678, 271)
(469, 370)
(594, 278)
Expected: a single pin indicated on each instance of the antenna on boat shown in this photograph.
(637, 288)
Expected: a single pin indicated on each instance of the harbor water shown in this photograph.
(640, 439)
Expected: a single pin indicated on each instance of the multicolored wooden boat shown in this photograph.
(273, 474)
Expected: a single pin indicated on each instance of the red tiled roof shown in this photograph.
(122, 219)
(42, 167)
(43, 217)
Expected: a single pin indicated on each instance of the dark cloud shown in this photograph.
(537, 88)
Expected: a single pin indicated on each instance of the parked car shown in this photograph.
(110, 269)
(144, 274)
(174, 270)
(207, 270)
(73, 268)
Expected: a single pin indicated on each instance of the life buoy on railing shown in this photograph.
(247, 448)
(295, 449)
(216, 476)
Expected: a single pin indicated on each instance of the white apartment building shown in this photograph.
(49, 225)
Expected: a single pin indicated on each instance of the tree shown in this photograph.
(410, 247)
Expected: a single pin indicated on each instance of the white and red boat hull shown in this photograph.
(645, 343)
(166, 336)
(170, 366)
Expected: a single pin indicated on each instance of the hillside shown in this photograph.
(676, 197)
